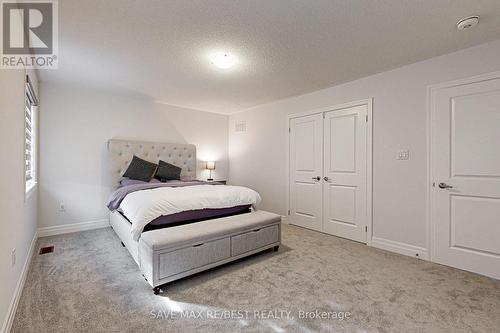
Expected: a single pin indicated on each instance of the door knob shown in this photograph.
(326, 179)
(444, 185)
(317, 178)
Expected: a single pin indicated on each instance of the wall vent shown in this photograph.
(46, 249)
(240, 126)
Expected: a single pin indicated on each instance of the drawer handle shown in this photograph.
(256, 230)
(197, 245)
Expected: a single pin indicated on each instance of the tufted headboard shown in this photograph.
(121, 152)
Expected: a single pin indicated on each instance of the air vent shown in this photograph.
(240, 126)
(46, 249)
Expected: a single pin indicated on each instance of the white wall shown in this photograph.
(19, 215)
(76, 123)
(400, 110)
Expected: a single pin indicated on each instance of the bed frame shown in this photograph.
(168, 254)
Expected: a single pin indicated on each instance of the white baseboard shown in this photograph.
(11, 313)
(401, 248)
(67, 228)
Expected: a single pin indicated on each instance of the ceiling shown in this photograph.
(157, 49)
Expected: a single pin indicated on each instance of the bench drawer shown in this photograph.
(192, 257)
(254, 239)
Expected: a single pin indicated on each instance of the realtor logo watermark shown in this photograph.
(29, 34)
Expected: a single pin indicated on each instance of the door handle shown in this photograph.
(444, 185)
(317, 178)
(326, 179)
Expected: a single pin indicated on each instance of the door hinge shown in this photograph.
(289, 212)
(366, 228)
(366, 118)
(289, 129)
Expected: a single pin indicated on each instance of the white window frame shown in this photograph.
(30, 129)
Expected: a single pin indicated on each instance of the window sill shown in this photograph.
(30, 189)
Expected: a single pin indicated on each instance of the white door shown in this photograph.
(345, 173)
(306, 149)
(466, 176)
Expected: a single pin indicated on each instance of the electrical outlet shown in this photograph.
(13, 254)
(62, 207)
(403, 155)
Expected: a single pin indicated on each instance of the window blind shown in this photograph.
(29, 119)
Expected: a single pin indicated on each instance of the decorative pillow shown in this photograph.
(140, 169)
(167, 171)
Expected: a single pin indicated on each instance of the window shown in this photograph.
(30, 136)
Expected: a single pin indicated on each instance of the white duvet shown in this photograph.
(141, 207)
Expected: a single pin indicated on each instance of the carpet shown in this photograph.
(314, 283)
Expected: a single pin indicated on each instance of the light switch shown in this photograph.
(403, 155)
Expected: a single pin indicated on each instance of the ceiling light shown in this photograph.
(468, 22)
(223, 60)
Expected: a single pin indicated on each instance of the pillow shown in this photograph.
(140, 169)
(167, 171)
(128, 181)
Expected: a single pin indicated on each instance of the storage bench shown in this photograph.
(168, 254)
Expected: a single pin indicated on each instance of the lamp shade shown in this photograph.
(210, 165)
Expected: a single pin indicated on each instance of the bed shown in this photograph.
(205, 225)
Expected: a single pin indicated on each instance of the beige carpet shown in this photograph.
(91, 284)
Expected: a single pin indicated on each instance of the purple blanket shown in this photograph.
(117, 196)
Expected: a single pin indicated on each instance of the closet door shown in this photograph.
(345, 171)
(306, 162)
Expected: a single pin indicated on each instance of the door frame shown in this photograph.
(369, 156)
(431, 130)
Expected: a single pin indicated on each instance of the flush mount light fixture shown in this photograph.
(468, 22)
(223, 60)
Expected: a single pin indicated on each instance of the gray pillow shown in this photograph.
(140, 169)
(167, 171)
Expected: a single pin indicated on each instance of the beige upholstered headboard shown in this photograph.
(122, 151)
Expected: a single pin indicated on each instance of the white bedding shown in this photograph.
(141, 207)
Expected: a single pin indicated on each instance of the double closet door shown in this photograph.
(328, 172)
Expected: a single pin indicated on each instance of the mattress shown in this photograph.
(143, 203)
(192, 216)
